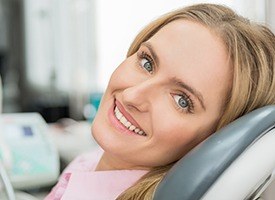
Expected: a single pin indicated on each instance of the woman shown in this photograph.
(186, 75)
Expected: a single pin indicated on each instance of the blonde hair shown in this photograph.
(251, 48)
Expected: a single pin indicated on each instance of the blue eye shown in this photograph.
(145, 61)
(181, 101)
(147, 65)
(184, 102)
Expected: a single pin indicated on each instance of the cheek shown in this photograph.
(116, 80)
(126, 75)
(177, 137)
(172, 125)
(121, 72)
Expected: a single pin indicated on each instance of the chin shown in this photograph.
(95, 129)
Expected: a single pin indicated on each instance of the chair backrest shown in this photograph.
(213, 170)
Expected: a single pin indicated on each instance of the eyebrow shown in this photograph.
(196, 93)
(152, 51)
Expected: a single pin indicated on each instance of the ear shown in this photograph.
(234, 163)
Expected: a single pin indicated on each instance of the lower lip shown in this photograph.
(114, 121)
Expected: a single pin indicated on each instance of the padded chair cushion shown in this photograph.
(195, 173)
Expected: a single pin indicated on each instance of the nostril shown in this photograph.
(132, 108)
(135, 98)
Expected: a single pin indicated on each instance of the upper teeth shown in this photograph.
(126, 123)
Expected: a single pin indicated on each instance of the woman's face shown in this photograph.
(164, 99)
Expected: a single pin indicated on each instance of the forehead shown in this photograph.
(193, 53)
(183, 40)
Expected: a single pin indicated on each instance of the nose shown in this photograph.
(137, 97)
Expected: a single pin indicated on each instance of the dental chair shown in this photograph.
(6, 190)
(235, 163)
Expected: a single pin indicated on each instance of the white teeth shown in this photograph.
(123, 120)
(141, 133)
(126, 123)
(137, 130)
(132, 127)
(118, 115)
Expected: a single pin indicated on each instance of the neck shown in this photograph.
(108, 162)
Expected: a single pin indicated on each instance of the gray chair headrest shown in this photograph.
(195, 173)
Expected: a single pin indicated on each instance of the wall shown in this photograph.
(60, 54)
(59, 37)
(271, 14)
(3, 26)
(117, 23)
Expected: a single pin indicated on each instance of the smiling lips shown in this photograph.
(125, 122)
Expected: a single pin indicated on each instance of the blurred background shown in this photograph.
(56, 56)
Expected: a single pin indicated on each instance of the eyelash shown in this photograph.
(144, 55)
(190, 107)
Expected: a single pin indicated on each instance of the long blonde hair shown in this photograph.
(251, 48)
